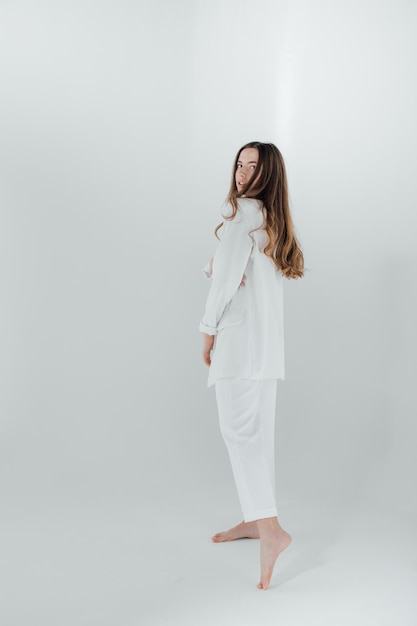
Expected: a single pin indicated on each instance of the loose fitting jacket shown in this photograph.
(247, 320)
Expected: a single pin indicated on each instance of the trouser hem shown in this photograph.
(261, 514)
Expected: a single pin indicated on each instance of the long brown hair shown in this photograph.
(272, 191)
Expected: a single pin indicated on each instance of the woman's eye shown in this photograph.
(253, 167)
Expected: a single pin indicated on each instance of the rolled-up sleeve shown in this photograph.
(229, 265)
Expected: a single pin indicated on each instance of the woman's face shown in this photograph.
(246, 165)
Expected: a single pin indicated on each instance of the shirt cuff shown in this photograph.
(209, 330)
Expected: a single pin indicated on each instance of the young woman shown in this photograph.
(243, 341)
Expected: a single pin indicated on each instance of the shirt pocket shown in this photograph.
(231, 317)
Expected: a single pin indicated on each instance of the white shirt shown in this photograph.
(247, 320)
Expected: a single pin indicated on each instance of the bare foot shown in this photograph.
(244, 530)
(274, 540)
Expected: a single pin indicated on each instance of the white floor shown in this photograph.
(63, 567)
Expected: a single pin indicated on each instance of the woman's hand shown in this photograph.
(208, 342)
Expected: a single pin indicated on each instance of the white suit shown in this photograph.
(248, 355)
(247, 320)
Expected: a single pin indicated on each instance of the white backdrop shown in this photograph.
(119, 124)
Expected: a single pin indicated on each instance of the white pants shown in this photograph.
(247, 422)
